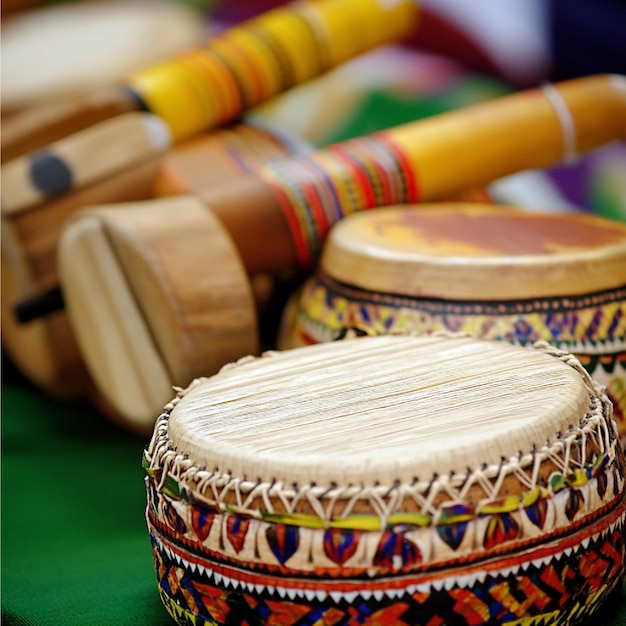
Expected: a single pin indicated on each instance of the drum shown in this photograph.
(135, 166)
(496, 272)
(40, 191)
(67, 49)
(388, 480)
(143, 316)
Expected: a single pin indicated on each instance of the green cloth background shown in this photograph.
(75, 548)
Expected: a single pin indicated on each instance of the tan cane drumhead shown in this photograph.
(379, 410)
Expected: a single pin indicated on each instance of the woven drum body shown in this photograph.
(388, 480)
(494, 272)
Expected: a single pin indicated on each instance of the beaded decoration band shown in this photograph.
(318, 190)
(569, 322)
(592, 326)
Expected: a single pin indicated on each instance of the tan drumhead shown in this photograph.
(384, 408)
(72, 47)
(477, 252)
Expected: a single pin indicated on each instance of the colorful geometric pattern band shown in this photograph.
(408, 543)
(318, 190)
(592, 326)
(559, 587)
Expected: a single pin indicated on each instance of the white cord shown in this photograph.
(565, 119)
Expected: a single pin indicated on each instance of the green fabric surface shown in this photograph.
(75, 549)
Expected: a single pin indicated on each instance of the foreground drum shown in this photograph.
(388, 480)
(495, 272)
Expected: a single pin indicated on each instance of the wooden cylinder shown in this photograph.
(40, 191)
(147, 314)
(414, 479)
(496, 272)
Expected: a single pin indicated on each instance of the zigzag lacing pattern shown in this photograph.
(568, 452)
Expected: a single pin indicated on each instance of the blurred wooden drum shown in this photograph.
(498, 273)
(388, 480)
(40, 191)
(135, 165)
(62, 50)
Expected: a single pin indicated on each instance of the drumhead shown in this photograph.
(69, 48)
(476, 252)
(376, 410)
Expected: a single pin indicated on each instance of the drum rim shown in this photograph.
(165, 443)
(364, 260)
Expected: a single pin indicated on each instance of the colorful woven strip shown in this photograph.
(561, 582)
(316, 191)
